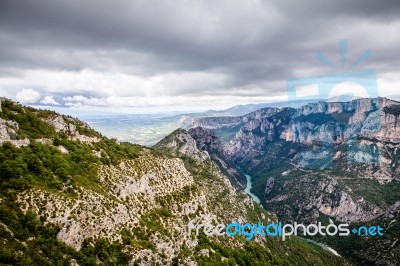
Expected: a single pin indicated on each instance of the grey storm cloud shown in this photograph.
(248, 42)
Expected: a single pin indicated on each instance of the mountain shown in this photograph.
(226, 127)
(328, 162)
(243, 109)
(201, 144)
(148, 129)
(70, 196)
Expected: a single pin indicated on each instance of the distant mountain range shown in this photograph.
(149, 129)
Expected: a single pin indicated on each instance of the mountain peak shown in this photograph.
(180, 142)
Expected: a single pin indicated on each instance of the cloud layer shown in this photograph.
(185, 53)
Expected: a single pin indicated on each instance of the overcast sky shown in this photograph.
(185, 54)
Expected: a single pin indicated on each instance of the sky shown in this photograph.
(143, 56)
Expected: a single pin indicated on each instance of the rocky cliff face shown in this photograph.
(383, 250)
(329, 124)
(231, 121)
(338, 122)
(11, 131)
(325, 161)
(203, 144)
(180, 142)
(207, 140)
(256, 133)
(357, 139)
(314, 196)
(133, 188)
(70, 126)
(8, 133)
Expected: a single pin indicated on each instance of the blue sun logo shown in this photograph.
(343, 52)
(336, 86)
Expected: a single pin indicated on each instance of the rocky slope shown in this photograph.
(227, 126)
(358, 139)
(330, 123)
(71, 196)
(325, 161)
(374, 251)
(231, 121)
(202, 144)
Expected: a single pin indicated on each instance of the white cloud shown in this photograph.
(79, 99)
(49, 100)
(27, 96)
(184, 90)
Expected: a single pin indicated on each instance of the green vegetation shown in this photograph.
(316, 119)
(31, 124)
(294, 252)
(284, 115)
(392, 109)
(226, 134)
(358, 249)
(33, 243)
(343, 117)
(320, 119)
(45, 166)
(136, 238)
(151, 217)
(372, 191)
(114, 153)
(179, 196)
(273, 163)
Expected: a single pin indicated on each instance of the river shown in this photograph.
(256, 199)
(248, 188)
(322, 246)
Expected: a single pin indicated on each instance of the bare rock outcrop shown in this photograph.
(8, 133)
